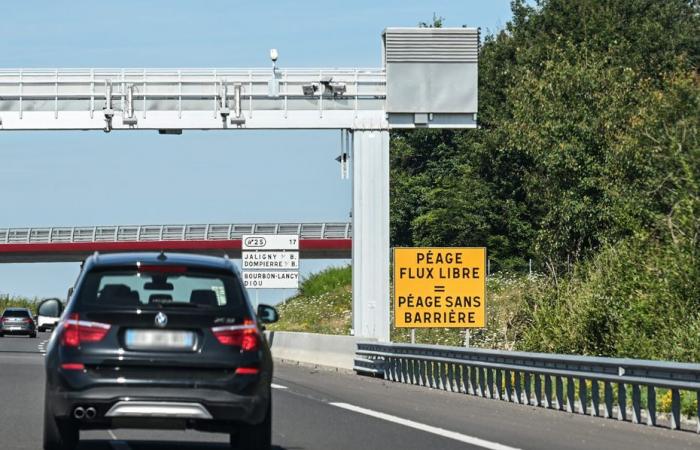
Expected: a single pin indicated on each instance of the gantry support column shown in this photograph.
(370, 231)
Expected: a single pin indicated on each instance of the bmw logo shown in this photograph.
(161, 320)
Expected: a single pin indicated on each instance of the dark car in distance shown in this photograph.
(17, 321)
(164, 341)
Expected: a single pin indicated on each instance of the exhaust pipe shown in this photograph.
(79, 412)
(90, 413)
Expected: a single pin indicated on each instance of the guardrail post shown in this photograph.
(483, 388)
(570, 395)
(621, 401)
(560, 392)
(489, 383)
(443, 376)
(651, 406)
(582, 396)
(416, 373)
(450, 377)
(518, 388)
(548, 403)
(527, 397)
(509, 386)
(608, 394)
(472, 377)
(675, 409)
(595, 398)
(421, 372)
(697, 412)
(458, 378)
(499, 385)
(636, 404)
(538, 389)
(432, 376)
(468, 376)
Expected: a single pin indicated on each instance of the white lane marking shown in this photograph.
(427, 428)
(116, 443)
(277, 386)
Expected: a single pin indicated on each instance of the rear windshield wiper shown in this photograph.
(176, 305)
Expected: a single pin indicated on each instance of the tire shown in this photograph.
(254, 437)
(2, 335)
(59, 435)
(33, 335)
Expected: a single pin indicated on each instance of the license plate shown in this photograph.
(159, 340)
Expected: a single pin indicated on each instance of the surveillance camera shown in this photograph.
(274, 55)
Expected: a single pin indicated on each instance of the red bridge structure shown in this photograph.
(69, 244)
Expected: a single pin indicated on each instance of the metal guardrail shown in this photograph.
(145, 233)
(562, 382)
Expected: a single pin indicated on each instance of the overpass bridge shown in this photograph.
(67, 244)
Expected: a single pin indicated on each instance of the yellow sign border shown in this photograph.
(393, 284)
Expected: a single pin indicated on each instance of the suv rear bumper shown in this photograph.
(222, 407)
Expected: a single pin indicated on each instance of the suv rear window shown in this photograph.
(176, 286)
(16, 313)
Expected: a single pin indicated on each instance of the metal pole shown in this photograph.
(370, 228)
(467, 337)
(413, 335)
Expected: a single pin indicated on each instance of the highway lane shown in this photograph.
(319, 409)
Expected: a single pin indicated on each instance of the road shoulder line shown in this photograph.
(427, 428)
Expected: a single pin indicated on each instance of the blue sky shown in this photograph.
(93, 178)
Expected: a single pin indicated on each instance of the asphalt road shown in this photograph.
(319, 409)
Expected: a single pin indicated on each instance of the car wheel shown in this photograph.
(59, 435)
(254, 437)
(33, 335)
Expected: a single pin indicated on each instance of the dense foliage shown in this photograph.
(323, 304)
(587, 162)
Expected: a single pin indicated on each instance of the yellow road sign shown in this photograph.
(440, 287)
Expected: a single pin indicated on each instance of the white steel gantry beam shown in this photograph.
(186, 99)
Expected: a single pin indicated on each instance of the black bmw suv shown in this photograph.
(152, 340)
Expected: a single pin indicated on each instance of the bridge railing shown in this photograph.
(196, 232)
(625, 389)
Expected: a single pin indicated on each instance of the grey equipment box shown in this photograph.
(431, 70)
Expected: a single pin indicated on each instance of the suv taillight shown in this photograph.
(76, 331)
(245, 336)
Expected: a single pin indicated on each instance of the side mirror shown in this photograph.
(267, 314)
(70, 294)
(51, 307)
